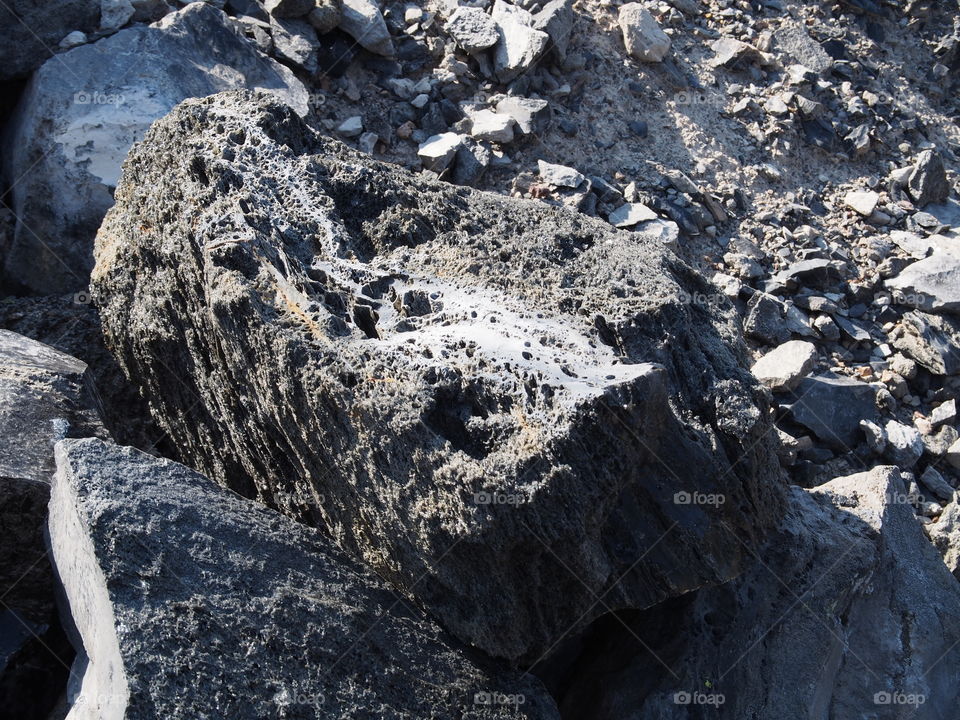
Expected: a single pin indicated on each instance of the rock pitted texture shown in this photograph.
(848, 612)
(491, 401)
(171, 579)
(83, 110)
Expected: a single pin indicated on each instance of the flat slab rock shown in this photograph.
(493, 402)
(193, 602)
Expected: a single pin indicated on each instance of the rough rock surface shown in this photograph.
(68, 138)
(31, 31)
(170, 579)
(847, 612)
(832, 406)
(493, 402)
(931, 284)
(785, 366)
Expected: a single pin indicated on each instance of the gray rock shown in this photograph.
(730, 51)
(630, 214)
(472, 29)
(846, 613)
(45, 395)
(72, 40)
(325, 16)
(931, 284)
(378, 322)
(792, 40)
(114, 14)
(31, 30)
(193, 602)
(559, 175)
(904, 444)
(351, 127)
(945, 536)
(935, 483)
(295, 42)
(832, 406)
(932, 340)
(471, 162)
(945, 412)
(864, 202)
(938, 444)
(288, 8)
(556, 20)
(816, 272)
(492, 126)
(531, 115)
(772, 321)
(928, 182)
(438, 151)
(876, 436)
(786, 365)
(642, 36)
(72, 130)
(363, 21)
(519, 44)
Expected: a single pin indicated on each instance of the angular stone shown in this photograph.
(729, 51)
(472, 29)
(531, 115)
(945, 536)
(792, 39)
(72, 130)
(931, 284)
(935, 483)
(772, 321)
(832, 406)
(492, 126)
(556, 20)
(363, 21)
(295, 41)
(460, 387)
(114, 14)
(864, 202)
(630, 214)
(642, 36)
(193, 602)
(519, 44)
(786, 365)
(325, 16)
(931, 340)
(904, 444)
(438, 151)
(471, 161)
(31, 30)
(945, 412)
(928, 182)
(560, 175)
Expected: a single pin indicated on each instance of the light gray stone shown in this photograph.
(363, 21)
(931, 340)
(630, 214)
(192, 602)
(73, 129)
(904, 444)
(531, 115)
(472, 29)
(642, 36)
(519, 44)
(493, 126)
(114, 14)
(295, 42)
(786, 365)
(555, 18)
(945, 536)
(437, 152)
(793, 40)
(931, 284)
(560, 175)
(928, 182)
(933, 481)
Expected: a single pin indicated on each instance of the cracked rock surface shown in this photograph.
(493, 402)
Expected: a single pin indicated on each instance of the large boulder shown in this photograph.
(504, 407)
(82, 111)
(848, 612)
(191, 602)
(32, 29)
